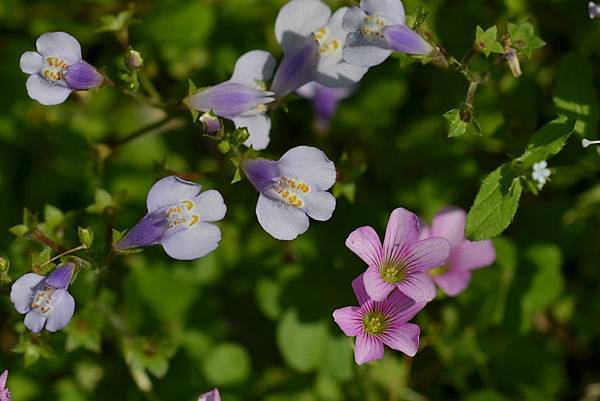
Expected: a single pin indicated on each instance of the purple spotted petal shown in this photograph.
(449, 224)
(402, 39)
(61, 276)
(391, 10)
(83, 76)
(472, 255)
(148, 231)
(59, 44)
(349, 319)
(418, 286)
(298, 67)
(45, 92)
(211, 396)
(367, 348)
(402, 337)
(377, 288)
(228, 99)
(62, 311)
(281, 221)
(310, 165)
(365, 243)
(21, 292)
(261, 173)
(192, 243)
(454, 281)
(427, 254)
(401, 234)
(170, 190)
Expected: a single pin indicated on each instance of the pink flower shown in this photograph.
(455, 275)
(403, 259)
(211, 396)
(377, 323)
(4, 393)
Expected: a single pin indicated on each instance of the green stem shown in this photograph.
(41, 237)
(70, 251)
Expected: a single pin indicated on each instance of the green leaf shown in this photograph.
(546, 142)
(495, 205)
(486, 41)
(524, 39)
(460, 123)
(116, 23)
(575, 95)
(102, 200)
(53, 218)
(30, 220)
(19, 230)
(192, 89)
(86, 236)
(227, 364)
(40, 262)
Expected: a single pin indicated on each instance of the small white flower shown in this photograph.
(541, 173)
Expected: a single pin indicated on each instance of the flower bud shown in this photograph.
(211, 123)
(134, 59)
(4, 264)
(513, 62)
(86, 236)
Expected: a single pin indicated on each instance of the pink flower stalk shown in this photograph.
(403, 260)
(454, 277)
(377, 323)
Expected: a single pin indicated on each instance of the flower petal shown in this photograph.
(210, 206)
(35, 321)
(310, 165)
(401, 233)
(83, 76)
(169, 191)
(376, 287)
(403, 338)
(298, 19)
(3, 378)
(349, 319)
(391, 10)
(367, 348)
(353, 19)
(403, 39)
(261, 173)
(61, 313)
(21, 292)
(60, 277)
(343, 74)
(450, 224)
(319, 205)
(31, 62)
(148, 231)
(454, 281)
(228, 99)
(400, 308)
(46, 93)
(362, 52)
(418, 286)
(256, 65)
(259, 128)
(193, 242)
(59, 44)
(470, 255)
(281, 221)
(211, 396)
(365, 243)
(427, 254)
(358, 285)
(298, 67)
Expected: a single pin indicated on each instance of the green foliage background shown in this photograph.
(254, 317)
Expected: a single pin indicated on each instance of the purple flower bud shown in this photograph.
(229, 99)
(402, 39)
(211, 123)
(83, 76)
(297, 68)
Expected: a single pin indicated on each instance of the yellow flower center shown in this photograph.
(290, 191)
(374, 323)
(182, 215)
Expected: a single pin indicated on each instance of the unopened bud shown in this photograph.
(211, 123)
(594, 10)
(134, 59)
(513, 62)
(4, 264)
(86, 236)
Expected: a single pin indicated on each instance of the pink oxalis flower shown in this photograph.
(402, 261)
(454, 276)
(4, 393)
(377, 323)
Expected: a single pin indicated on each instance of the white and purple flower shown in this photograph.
(179, 218)
(593, 10)
(376, 29)
(57, 69)
(312, 40)
(325, 100)
(403, 260)
(211, 396)
(377, 323)
(292, 189)
(243, 99)
(465, 256)
(43, 300)
(4, 392)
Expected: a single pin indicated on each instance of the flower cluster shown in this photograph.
(541, 174)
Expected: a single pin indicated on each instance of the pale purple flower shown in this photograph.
(403, 260)
(4, 392)
(57, 69)
(377, 323)
(376, 29)
(312, 40)
(242, 99)
(465, 255)
(179, 218)
(211, 396)
(45, 301)
(593, 10)
(292, 189)
(325, 100)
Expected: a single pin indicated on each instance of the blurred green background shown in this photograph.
(254, 317)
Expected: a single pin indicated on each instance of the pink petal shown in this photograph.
(450, 224)
(358, 285)
(418, 286)
(454, 281)
(399, 308)
(3, 378)
(427, 254)
(403, 338)
(349, 319)
(472, 255)
(401, 234)
(376, 287)
(425, 231)
(367, 348)
(365, 243)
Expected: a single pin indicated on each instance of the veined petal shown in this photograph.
(83, 76)
(349, 319)
(298, 67)
(310, 165)
(259, 128)
(353, 19)
(61, 276)
(418, 286)
(365, 243)
(31, 62)
(358, 285)
(228, 99)
(362, 52)
(3, 378)
(427, 254)
(403, 337)
(46, 93)
(450, 224)
(256, 65)
(454, 281)
(403, 39)
(21, 292)
(169, 191)
(470, 255)
(376, 287)
(210, 206)
(192, 242)
(367, 348)
(401, 233)
(261, 173)
(59, 44)
(319, 205)
(391, 10)
(298, 19)
(281, 221)
(35, 321)
(62, 311)
(150, 230)
(399, 308)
